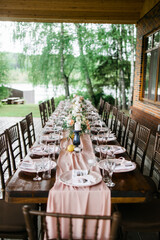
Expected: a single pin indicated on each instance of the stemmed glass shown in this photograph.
(37, 167)
(91, 162)
(109, 166)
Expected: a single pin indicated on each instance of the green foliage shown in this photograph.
(109, 98)
(48, 46)
(58, 99)
(4, 92)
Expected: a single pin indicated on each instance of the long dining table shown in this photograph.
(130, 187)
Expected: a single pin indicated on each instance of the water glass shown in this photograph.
(91, 162)
(46, 168)
(37, 167)
(109, 166)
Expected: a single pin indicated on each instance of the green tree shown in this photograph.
(50, 52)
(4, 68)
(81, 30)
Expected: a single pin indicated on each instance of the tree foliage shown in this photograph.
(103, 59)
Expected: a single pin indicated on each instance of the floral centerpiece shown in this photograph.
(76, 120)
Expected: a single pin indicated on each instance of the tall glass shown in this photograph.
(109, 166)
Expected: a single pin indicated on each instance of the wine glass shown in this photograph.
(37, 167)
(109, 166)
(91, 162)
(46, 168)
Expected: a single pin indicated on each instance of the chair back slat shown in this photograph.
(31, 130)
(141, 145)
(25, 135)
(155, 164)
(106, 113)
(13, 137)
(5, 165)
(42, 114)
(28, 213)
(96, 229)
(125, 119)
(113, 119)
(70, 228)
(52, 104)
(130, 136)
(118, 125)
(45, 111)
(49, 108)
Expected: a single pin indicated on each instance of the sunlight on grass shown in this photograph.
(20, 110)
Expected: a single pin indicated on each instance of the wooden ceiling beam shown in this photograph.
(73, 5)
(98, 11)
(51, 16)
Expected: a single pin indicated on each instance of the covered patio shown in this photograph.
(130, 186)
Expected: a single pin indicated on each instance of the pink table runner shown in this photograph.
(94, 200)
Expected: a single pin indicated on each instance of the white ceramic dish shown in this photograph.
(122, 165)
(28, 166)
(111, 149)
(81, 181)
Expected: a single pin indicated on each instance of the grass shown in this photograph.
(20, 110)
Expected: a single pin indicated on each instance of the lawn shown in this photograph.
(20, 110)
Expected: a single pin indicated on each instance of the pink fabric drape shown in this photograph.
(94, 200)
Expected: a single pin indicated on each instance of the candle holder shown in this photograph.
(76, 141)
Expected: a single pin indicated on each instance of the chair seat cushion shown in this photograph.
(141, 216)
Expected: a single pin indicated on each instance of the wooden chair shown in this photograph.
(130, 136)
(49, 107)
(25, 135)
(115, 218)
(12, 224)
(118, 125)
(124, 125)
(13, 138)
(106, 113)
(52, 104)
(141, 144)
(42, 114)
(101, 106)
(144, 217)
(31, 131)
(45, 111)
(113, 119)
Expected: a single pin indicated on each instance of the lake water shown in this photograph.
(41, 93)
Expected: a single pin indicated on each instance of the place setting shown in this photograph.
(108, 151)
(41, 167)
(82, 178)
(121, 164)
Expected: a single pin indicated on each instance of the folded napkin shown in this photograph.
(50, 138)
(48, 129)
(42, 150)
(115, 150)
(78, 172)
(27, 164)
(124, 166)
(82, 180)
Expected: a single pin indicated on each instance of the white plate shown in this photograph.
(114, 149)
(66, 178)
(122, 165)
(110, 139)
(27, 166)
(42, 150)
(50, 138)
